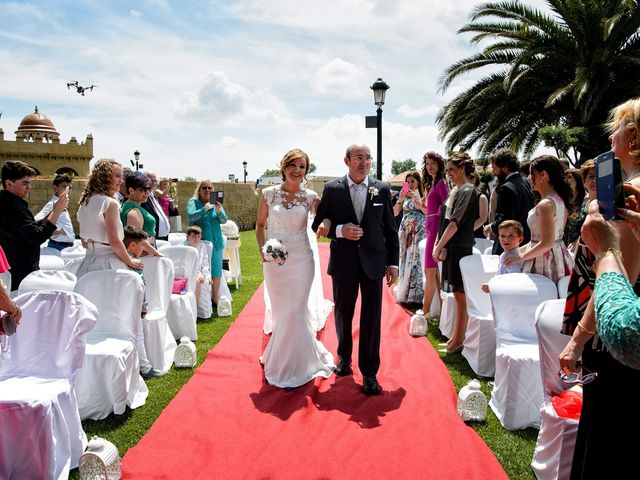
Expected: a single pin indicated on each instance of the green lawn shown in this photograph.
(514, 450)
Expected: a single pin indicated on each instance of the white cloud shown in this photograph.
(340, 78)
(135, 13)
(413, 112)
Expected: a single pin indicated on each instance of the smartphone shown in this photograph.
(217, 196)
(609, 185)
(66, 189)
(405, 187)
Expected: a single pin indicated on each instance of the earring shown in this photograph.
(632, 145)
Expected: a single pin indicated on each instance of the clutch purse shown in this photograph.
(8, 324)
(443, 254)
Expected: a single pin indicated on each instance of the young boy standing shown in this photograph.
(510, 235)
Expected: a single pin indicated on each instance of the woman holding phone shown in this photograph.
(410, 288)
(209, 216)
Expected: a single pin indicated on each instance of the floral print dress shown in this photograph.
(410, 288)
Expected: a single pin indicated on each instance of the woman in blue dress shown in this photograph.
(209, 217)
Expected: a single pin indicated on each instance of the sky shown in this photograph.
(198, 87)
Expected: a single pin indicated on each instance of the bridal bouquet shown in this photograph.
(275, 251)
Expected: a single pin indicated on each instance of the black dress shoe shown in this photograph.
(343, 369)
(370, 386)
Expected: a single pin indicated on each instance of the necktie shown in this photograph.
(358, 201)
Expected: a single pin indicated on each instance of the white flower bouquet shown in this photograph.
(274, 251)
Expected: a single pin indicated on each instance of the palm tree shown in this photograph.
(568, 69)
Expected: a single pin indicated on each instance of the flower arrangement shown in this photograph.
(373, 191)
(274, 251)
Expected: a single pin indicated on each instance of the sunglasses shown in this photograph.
(575, 378)
(206, 188)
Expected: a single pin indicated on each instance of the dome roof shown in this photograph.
(36, 123)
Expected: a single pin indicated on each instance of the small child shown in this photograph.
(135, 241)
(194, 237)
(510, 234)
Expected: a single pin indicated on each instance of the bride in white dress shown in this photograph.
(296, 308)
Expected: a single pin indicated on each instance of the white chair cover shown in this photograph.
(71, 253)
(162, 243)
(204, 306)
(48, 280)
(158, 339)
(40, 431)
(49, 250)
(182, 313)
(480, 338)
(448, 313)
(232, 253)
(435, 304)
(110, 377)
(51, 262)
(73, 265)
(557, 437)
(563, 286)
(516, 397)
(177, 238)
(488, 251)
(483, 243)
(6, 279)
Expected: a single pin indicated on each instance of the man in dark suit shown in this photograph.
(515, 197)
(153, 207)
(364, 249)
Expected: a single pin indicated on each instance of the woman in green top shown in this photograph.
(132, 214)
(209, 217)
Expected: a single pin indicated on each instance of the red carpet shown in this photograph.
(227, 423)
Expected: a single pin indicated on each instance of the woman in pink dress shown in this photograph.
(436, 188)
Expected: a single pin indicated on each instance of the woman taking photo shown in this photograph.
(546, 254)
(600, 417)
(456, 240)
(410, 233)
(436, 188)
(209, 217)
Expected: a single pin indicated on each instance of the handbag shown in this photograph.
(8, 325)
(179, 285)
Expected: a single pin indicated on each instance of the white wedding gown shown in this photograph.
(295, 306)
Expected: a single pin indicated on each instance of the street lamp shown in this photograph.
(244, 165)
(137, 164)
(379, 88)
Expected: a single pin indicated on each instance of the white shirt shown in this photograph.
(91, 219)
(352, 192)
(513, 268)
(63, 223)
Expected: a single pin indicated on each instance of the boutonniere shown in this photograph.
(373, 191)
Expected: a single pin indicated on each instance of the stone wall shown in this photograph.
(240, 200)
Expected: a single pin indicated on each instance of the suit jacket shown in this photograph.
(378, 248)
(515, 199)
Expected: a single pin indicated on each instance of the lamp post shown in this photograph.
(379, 88)
(244, 165)
(137, 163)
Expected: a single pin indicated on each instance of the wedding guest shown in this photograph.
(510, 236)
(437, 192)
(514, 195)
(546, 254)
(599, 408)
(132, 213)
(64, 235)
(456, 240)
(209, 217)
(194, 237)
(163, 195)
(575, 210)
(20, 234)
(99, 219)
(152, 206)
(483, 207)
(410, 288)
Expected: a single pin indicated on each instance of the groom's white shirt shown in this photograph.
(363, 198)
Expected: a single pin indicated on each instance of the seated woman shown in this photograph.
(132, 214)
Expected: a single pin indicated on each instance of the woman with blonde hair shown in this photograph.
(294, 355)
(598, 430)
(209, 217)
(101, 230)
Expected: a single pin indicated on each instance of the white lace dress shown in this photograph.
(294, 355)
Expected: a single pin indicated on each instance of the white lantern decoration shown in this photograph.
(101, 461)
(224, 306)
(185, 356)
(418, 325)
(472, 404)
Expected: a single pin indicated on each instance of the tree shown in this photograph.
(312, 168)
(189, 179)
(563, 139)
(568, 68)
(398, 166)
(271, 172)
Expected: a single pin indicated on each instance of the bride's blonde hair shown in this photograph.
(289, 158)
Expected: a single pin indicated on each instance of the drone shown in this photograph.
(79, 88)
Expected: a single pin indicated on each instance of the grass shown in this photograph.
(514, 450)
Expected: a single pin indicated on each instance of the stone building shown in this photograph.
(38, 144)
